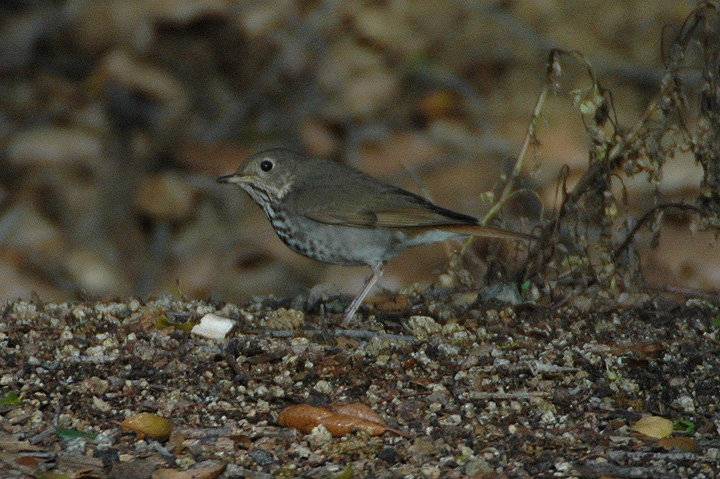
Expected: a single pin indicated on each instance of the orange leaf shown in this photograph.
(27, 462)
(342, 424)
(342, 421)
(302, 417)
(358, 410)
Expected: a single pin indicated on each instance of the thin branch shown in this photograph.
(500, 396)
(645, 218)
(520, 161)
(352, 333)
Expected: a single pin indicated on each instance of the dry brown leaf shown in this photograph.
(399, 303)
(27, 462)
(342, 424)
(654, 427)
(649, 349)
(148, 424)
(358, 410)
(304, 418)
(644, 349)
(683, 443)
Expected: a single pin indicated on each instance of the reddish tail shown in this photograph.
(487, 232)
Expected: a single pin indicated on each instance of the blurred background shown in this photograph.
(117, 116)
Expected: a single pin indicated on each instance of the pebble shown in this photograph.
(422, 327)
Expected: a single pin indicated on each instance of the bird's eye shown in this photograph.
(266, 165)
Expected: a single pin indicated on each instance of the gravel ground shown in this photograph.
(482, 390)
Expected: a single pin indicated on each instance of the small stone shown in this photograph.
(425, 447)
(323, 387)
(101, 405)
(319, 436)
(477, 467)
(451, 420)
(76, 446)
(686, 403)
(96, 386)
(507, 293)
(261, 457)
(284, 318)
(213, 326)
(389, 455)
(422, 327)
(465, 299)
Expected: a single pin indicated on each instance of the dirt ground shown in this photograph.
(481, 391)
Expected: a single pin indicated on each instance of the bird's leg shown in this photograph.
(377, 271)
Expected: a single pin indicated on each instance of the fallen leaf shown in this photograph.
(358, 410)
(27, 462)
(684, 426)
(338, 420)
(683, 443)
(341, 425)
(644, 349)
(71, 433)
(302, 417)
(148, 424)
(398, 303)
(653, 427)
(10, 399)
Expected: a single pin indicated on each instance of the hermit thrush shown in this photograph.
(336, 214)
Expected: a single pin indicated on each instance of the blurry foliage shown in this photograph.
(115, 116)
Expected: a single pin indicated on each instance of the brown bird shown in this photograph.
(336, 214)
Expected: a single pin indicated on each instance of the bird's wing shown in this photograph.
(374, 205)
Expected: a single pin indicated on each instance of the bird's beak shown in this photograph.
(232, 178)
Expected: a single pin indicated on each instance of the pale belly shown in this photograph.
(351, 246)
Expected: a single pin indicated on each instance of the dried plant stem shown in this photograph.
(509, 184)
(520, 161)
